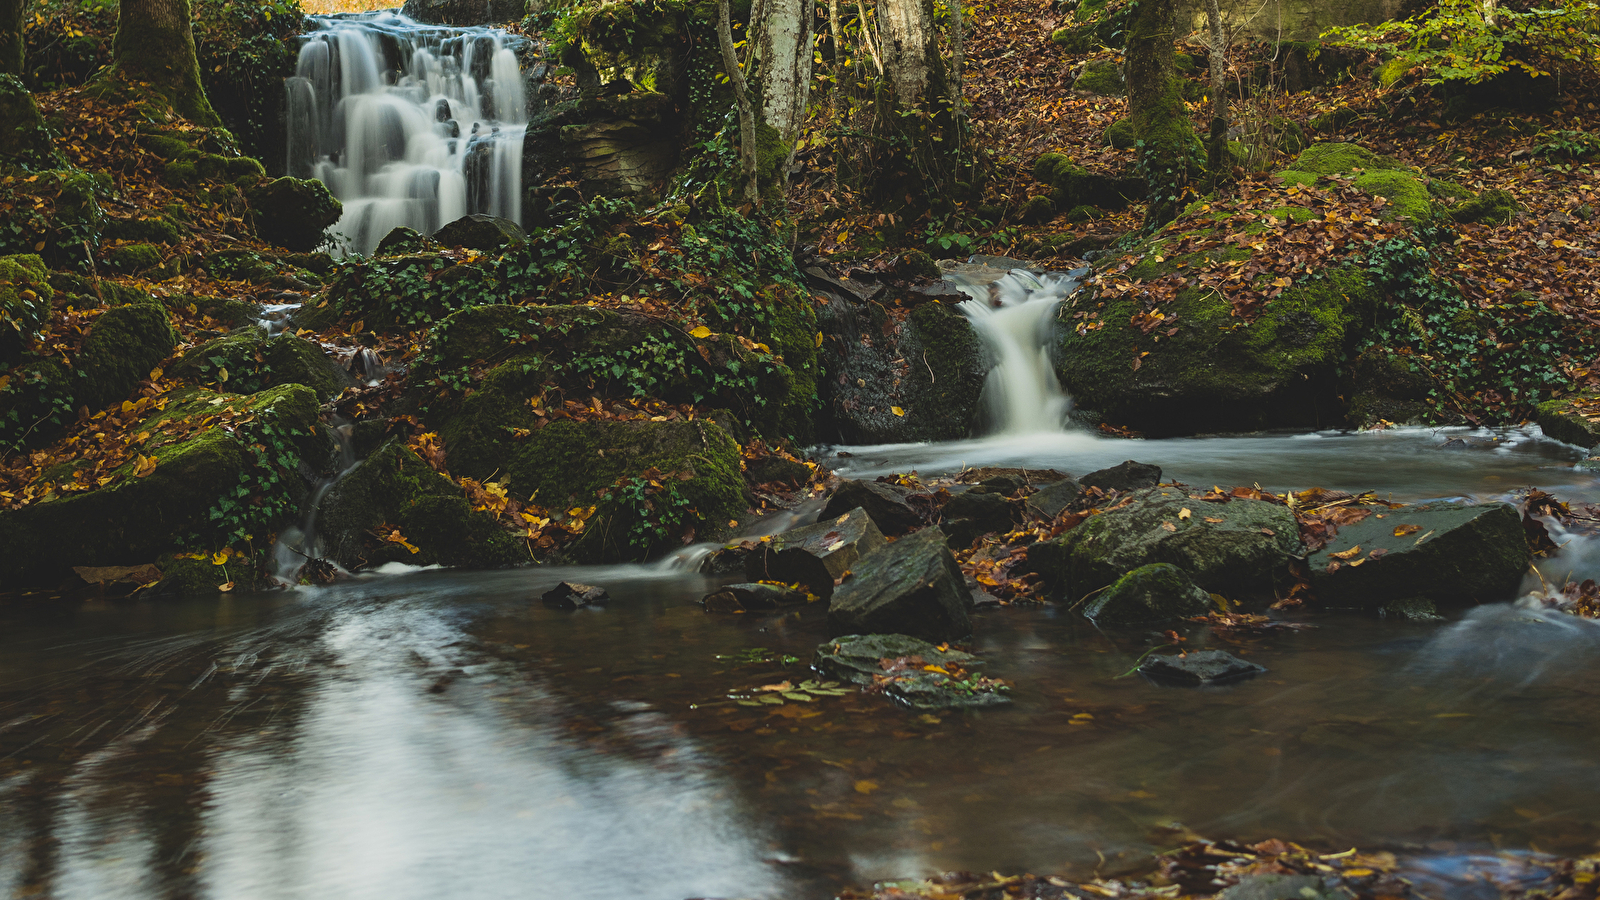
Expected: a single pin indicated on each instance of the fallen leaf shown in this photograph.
(144, 466)
(1347, 554)
(1184, 513)
(1403, 530)
(1213, 520)
(700, 332)
(897, 410)
(866, 787)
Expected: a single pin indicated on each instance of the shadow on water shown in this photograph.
(444, 735)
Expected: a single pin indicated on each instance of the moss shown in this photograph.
(249, 361)
(24, 139)
(123, 345)
(917, 264)
(181, 577)
(571, 462)
(1291, 176)
(452, 533)
(480, 435)
(1122, 134)
(1561, 420)
(403, 293)
(1494, 206)
(1216, 373)
(1101, 77)
(1388, 74)
(1072, 185)
(1407, 195)
(1038, 211)
(134, 258)
(1448, 190)
(1082, 213)
(1334, 120)
(1292, 213)
(1331, 159)
(402, 240)
(160, 230)
(165, 146)
(25, 297)
(943, 394)
(293, 212)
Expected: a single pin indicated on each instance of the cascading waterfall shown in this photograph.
(407, 124)
(1013, 317)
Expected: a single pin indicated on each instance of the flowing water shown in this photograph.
(442, 734)
(407, 124)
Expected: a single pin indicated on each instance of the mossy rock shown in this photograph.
(1072, 185)
(1449, 190)
(164, 145)
(123, 346)
(293, 212)
(248, 361)
(1382, 176)
(1334, 120)
(1149, 595)
(158, 230)
(573, 462)
(403, 293)
(1217, 373)
(1103, 77)
(134, 520)
(1332, 159)
(1038, 211)
(1122, 134)
(134, 258)
(481, 232)
(918, 264)
(402, 240)
(1387, 387)
(185, 577)
(25, 142)
(1239, 556)
(1494, 207)
(393, 486)
(1406, 194)
(1571, 419)
(25, 298)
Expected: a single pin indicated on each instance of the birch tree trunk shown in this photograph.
(783, 59)
(155, 46)
(838, 56)
(910, 49)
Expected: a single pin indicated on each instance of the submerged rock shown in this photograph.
(572, 595)
(1249, 543)
(1415, 609)
(885, 505)
(912, 587)
(1445, 552)
(1200, 667)
(1152, 594)
(816, 555)
(738, 598)
(896, 663)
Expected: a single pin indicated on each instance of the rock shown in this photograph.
(816, 555)
(1123, 134)
(1569, 419)
(613, 144)
(133, 258)
(1125, 476)
(572, 595)
(294, 212)
(738, 598)
(970, 515)
(465, 12)
(1494, 206)
(1050, 500)
(25, 296)
(1415, 609)
(1449, 553)
(886, 506)
(778, 471)
(1152, 594)
(1074, 185)
(1103, 77)
(1241, 553)
(248, 361)
(1199, 668)
(24, 140)
(865, 658)
(402, 240)
(913, 587)
(480, 232)
(395, 487)
(1280, 887)
(132, 520)
(1381, 175)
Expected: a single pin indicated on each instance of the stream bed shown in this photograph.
(441, 734)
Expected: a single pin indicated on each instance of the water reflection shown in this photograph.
(444, 735)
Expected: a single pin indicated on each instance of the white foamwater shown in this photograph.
(407, 124)
(1013, 317)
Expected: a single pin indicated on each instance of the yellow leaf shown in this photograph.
(144, 466)
(700, 331)
(819, 339)
(897, 410)
(1184, 513)
(1144, 795)
(866, 787)
(221, 556)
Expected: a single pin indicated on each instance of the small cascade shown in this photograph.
(407, 124)
(1013, 315)
(295, 548)
(274, 317)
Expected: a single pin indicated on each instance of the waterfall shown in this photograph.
(407, 124)
(1013, 315)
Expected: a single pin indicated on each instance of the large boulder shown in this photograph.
(1149, 595)
(613, 144)
(192, 491)
(1237, 547)
(293, 212)
(24, 140)
(478, 232)
(394, 487)
(912, 587)
(1445, 552)
(1574, 419)
(970, 515)
(1384, 176)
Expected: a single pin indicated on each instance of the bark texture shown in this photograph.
(910, 50)
(747, 116)
(783, 58)
(155, 46)
(1171, 157)
(1217, 143)
(11, 37)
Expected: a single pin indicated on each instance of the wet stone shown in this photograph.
(572, 595)
(896, 663)
(1125, 476)
(1279, 887)
(1159, 592)
(1050, 500)
(1200, 667)
(738, 598)
(910, 587)
(885, 505)
(975, 513)
(1415, 609)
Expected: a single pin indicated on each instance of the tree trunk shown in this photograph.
(958, 56)
(155, 46)
(910, 50)
(747, 117)
(783, 59)
(838, 56)
(1217, 145)
(1171, 156)
(11, 37)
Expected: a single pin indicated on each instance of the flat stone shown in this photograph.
(572, 595)
(867, 658)
(738, 598)
(1449, 553)
(1125, 476)
(886, 506)
(911, 587)
(1200, 667)
(816, 555)
(1052, 499)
